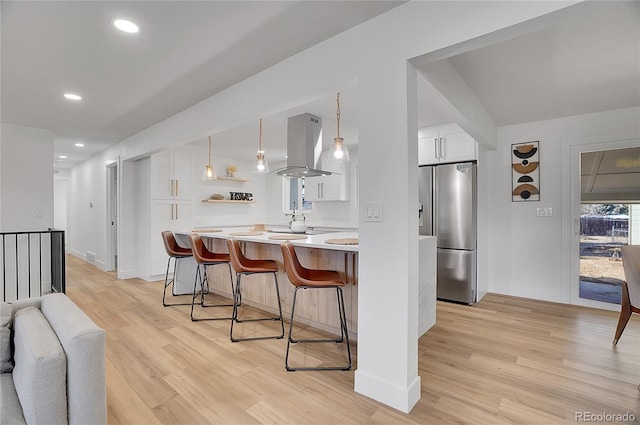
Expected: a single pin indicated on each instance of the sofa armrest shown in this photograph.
(24, 303)
(84, 344)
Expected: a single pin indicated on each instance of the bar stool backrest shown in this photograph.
(631, 264)
(297, 274)
(235, 253)
(199, 250)
(172, 247)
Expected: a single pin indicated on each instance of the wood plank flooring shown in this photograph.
(504, 360)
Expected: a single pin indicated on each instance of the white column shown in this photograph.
(388, 276)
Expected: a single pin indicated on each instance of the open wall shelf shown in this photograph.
(225, 201)
(233, 179)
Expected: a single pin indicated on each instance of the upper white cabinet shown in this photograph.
(445, 143)
(171, 175)
(334, 187)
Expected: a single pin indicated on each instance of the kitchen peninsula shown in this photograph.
(314, 308)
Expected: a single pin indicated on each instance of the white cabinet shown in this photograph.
(445, 143)
(334, 187)
(170, 190)
(171, 175)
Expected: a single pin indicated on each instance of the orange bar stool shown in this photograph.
(176, 252)
(303, 278)
(205, 258)
(245, 266)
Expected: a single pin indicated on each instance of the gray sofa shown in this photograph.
(52, 359)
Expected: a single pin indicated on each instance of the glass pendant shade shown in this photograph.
(339, 149)
(209, 171)
(261, 165)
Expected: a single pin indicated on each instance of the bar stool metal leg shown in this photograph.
(206, 286)
(344, 333)
(202, 277)
(168, 282)
(237, 299)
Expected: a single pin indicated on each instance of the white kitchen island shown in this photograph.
(315, 308)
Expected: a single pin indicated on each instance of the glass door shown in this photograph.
(609, 218)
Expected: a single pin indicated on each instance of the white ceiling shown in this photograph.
(185, 52)
(588, 60)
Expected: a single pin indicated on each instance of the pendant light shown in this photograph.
(209, 171)
(339, 149)
(261, 165)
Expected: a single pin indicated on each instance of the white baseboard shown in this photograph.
(78, 254)
(127, 274)
(398, 397)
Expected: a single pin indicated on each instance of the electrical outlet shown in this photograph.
(38, 213)
(544, 212)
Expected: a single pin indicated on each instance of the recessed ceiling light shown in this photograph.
(80, 145)
(62, 156)
(126, 26)
(72, 96)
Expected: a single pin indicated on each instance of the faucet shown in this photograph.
(294, 217)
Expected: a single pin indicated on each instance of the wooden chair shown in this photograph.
(303, 278)
(176, 252)
(630, 287)
(205, 258)
(245, 266)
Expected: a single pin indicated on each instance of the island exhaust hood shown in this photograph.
(304, 147)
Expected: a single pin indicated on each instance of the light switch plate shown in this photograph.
(373, 211)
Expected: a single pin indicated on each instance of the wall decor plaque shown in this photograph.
(525, 171)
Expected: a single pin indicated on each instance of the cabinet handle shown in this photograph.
(177, 195)
(442, 147)
(319, 193)
(176, 211)
(171, 211)
(322, 189)
(435, 147)
(171, 190)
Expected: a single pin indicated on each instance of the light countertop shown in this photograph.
(312, 241)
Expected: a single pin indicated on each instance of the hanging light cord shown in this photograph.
(209, 151)
(338, 113)
(260, 139)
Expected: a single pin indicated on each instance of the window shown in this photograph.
(294, 188)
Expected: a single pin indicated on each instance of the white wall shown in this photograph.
(530, 256)
(376, 54)
(27, 178)
(214, 215)
(60, 199)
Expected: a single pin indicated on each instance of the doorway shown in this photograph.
(609, 208)
(112, 217)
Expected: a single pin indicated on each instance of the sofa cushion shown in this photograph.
(11, 411)
(40, 370)
(6, 365)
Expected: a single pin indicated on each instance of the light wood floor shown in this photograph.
(504, 360)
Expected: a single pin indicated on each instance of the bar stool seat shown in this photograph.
(246, 266)
(304, 278)
(175, 252)
(205, 258)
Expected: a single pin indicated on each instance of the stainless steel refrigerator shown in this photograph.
(447, 210)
